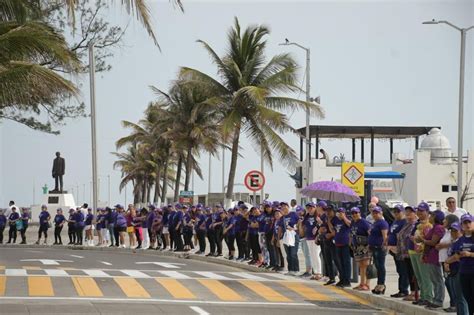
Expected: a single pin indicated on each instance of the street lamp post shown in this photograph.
(308, 99)
(462, 67)
(93, 127)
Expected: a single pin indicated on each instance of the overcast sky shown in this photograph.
(372, 62)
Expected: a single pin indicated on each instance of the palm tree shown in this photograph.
(250, 95)
(194, 125)
(138, 7)
(25, 85)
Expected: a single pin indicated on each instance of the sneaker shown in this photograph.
(330, 282)
(399, 295)
(432, 306)
(305, 275)
(421, 303)
(451, 309)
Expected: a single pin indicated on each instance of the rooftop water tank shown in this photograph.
(439, 146)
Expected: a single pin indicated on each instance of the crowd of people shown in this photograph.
(432, 250)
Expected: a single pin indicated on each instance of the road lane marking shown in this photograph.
(76, 256)
(348, 295)
(211, 275)
(220, 290)
(132, 288)
(3, 285)
(15, 272)
(199, 310)
(86, 287)
(56, 273)
(106, 263)
(161, 264)
(31, 267)
(306, 291)
(176, 289)
(170, 301)
(48, 261)
(40, 286)
(247, 275)
(174, 274)
(135, 273)
(266, 292)
(96, 273)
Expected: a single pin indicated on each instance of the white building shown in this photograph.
(430, 176)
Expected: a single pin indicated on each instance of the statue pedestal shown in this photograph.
(54, 201)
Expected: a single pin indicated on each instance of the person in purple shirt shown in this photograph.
(360, 231)
(200, 228)
(340, 225)
(25, 218)
(377, 240)
(395, 228)
(463, 250)
(149, 222)
(267, 234)
(89, 227)
(188, 223)
(3, 223)
(242, 236)
(44, 219)
(12, 218)
(121, 225)
(277, 235)
(451, 266)
(290, 221)
(59, 220)
(311, 225)
(253, 237)
(261, 238)
(79, 226)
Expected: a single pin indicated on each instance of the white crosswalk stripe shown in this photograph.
(247, 275)
(96, 273)
(56, 272)
(211, 275)
(174, 274)
(15, 272)
(135, 273)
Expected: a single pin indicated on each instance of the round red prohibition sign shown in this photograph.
(254, 180)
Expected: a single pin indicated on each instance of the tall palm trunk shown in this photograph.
(165, 178)
(233, 163)
(144, 186)
(156, 197)
(178, 178)
(148, 192)
(189, 167)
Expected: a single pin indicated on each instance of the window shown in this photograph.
(454, 188)
(445, 188)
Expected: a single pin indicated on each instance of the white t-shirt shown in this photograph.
(458, 212)
(443, 253)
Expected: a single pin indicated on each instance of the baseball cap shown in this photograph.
(243, 206)
(355, 210)
(118, 206)
(341, 209)
(398, 208)
(329, 207)
(178, 206)
(455, 226)
(299, 209)
(377, 209)
(309, 204)
(438, 215)
(322, 204)
(423, 206)
(410, 208)
(284, 203)
(466, 217)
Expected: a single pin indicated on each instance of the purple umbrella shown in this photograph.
(330, 190)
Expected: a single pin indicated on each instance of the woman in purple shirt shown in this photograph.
(44, 218)
(12, 218)
(378, 236)
(340, 225)
(360, 231)
(25, 218)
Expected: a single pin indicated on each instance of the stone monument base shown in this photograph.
(54, 200)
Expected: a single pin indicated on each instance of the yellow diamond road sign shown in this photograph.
(352, 175)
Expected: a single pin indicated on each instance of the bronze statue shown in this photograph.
(59, 167)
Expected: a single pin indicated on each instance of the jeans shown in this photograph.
(254, 245)
(110, 227)
(402, 271)
(262, 243)
(344, 257)
(12, 233)
(436, 276)
(201, 235)
(422, 277)
(2, 228)
(292, 255)
(467, 285)
(453, 284)
(271, 249)
(57, 234)
(212, 241)
(378, 254)
(307, 257)
(23, 233)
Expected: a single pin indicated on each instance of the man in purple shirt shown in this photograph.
(340, 225)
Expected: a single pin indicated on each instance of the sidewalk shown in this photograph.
(382, 301)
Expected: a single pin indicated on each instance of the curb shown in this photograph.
(181, 255)
(396, 305)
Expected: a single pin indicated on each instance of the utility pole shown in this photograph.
(93, 127)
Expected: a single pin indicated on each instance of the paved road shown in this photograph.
(56, 280)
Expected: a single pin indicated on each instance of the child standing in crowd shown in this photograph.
(59, 220)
